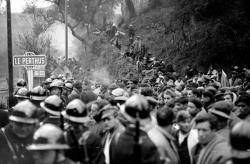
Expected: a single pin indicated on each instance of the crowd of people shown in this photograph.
(198, 119)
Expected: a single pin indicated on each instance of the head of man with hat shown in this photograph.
(243, 107)
(56, 87)
(53, 106)
(222, 111)
(240, 143)
(23, 119)
(77, 133)
(18, 134)
(109, 117)
(48, 145)
(37, 95)
(21, 94)
(135, 110)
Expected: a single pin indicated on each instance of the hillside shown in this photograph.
(192, 33)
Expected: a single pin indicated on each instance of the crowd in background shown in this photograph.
(153, 117)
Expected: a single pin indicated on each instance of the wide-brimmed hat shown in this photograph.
(22, 93)
(76, 111)
(38, 94)
(24, 112)
(48, 137)
(137, 105)
(53, 105)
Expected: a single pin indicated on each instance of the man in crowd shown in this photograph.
(48, 146)
(240, 143)
(222, 110)
(53, 106)
(162, 137)
(112, 126)
(56, 88)
(133, 145)
(85, 146)
(186, 135)
(18, 134)
(211, 148)
(243, 107)
(76, 92)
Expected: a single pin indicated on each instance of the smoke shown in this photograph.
(102, 75)
(57, 32)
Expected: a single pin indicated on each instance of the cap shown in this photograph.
(222, 109)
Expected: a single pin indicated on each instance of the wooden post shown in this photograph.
(66, 33)
(10, 62)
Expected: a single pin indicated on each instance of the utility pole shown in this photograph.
(66, 32)
(10, 64)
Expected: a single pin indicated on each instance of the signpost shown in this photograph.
(31, 62)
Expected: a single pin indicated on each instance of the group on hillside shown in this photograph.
(157, 117)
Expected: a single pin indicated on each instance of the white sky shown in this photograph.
(17, 6)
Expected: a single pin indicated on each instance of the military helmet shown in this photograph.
(48, 137)
(60, 76)
(69, 86)
(22, 93)
(38, 93)
(24, 112)
(21, 83)
(48, 81)
(57, 83)
(118, 92)
(240, 140)
(53, 77)
(137, 105)
(76, 111)
(53, 105)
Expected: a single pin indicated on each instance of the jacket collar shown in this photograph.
(165, 133)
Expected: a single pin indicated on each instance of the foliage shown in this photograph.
(37, 40)
(200, 33)
(83, 15)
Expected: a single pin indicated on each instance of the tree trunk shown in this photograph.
(130, 8)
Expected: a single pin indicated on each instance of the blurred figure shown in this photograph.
(230, 97)
(38, 95)
(48, 146)
(162, 137)
(243, 107)
(22, 94)
(168, 96)
(186, 136)
(222, 111)
(240, 143)
(194, 107)
(180, 104)
(76, 92)
(18, 134)
(53, 106)
(133, 145)
(56, 88)
(207, 99)
(4, 118)
(67, 90)
(112, 127)
(85, 145)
